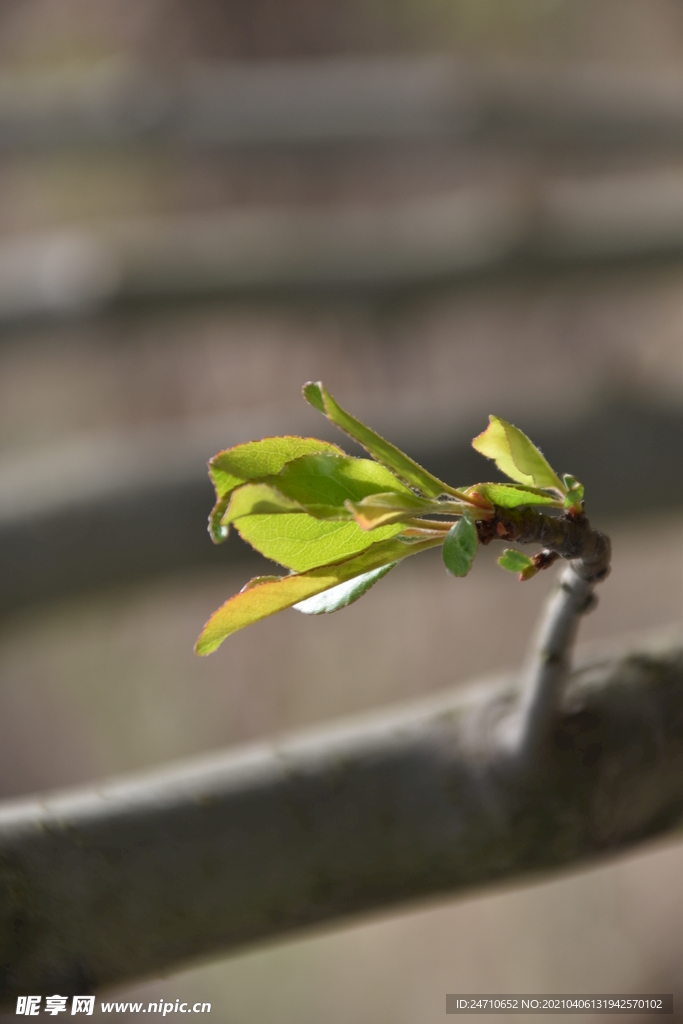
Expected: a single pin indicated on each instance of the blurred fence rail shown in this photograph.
(339, 100)
(133, 877)
(391, 245)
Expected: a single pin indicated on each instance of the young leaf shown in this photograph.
(331, 480)
(257, 459)
(388, 454)
(320, 485)
(575, 491)
(258, 499)
(460, 546)
(343, 594)
(514, 495)
(516, 456)
(258, 580)
(574, 499)
(266, 598)
(234, 466)
(301, 542)
(381, 509)
(515, 561)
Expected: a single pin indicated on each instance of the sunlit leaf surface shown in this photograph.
(516, 456)
(379, 509)
(343, 594)
(514, 495)
(301, 542)
(385, 452)
(235, 466)
(266, 598)
(331, 480)
(257, 499)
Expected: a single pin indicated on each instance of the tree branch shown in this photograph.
(131, 878)
(570, 537)
(547, 667)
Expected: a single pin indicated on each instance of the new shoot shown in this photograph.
(339, 523)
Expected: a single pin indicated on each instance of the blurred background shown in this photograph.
(441, 210)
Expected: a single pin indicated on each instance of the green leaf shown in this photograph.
(235, 466)
(575, 491)
(574, 498)
(401, 464)
(514, 495)
(343, 594)
(265, 598)
(381, 509)
(320, 485)
(515, 561)
(258, 580)
(332, 480)
(258, 499)
(313, 393)
(516, 456)
(460, 546)
(257, 459)
(301, 542)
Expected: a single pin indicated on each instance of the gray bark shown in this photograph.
(133, 877)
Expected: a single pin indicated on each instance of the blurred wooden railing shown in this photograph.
(340, 100)
(389, 246)
(625, 211)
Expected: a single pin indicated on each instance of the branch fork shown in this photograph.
(548, 663)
